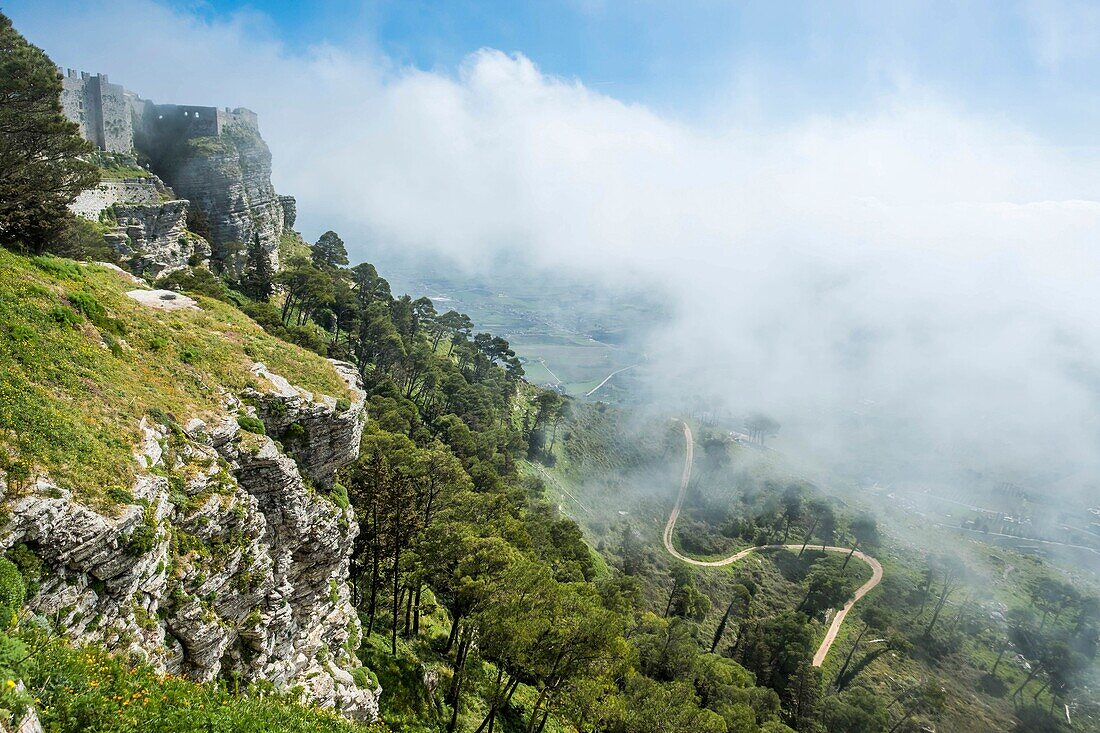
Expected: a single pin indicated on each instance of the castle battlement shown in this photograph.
(111, 117)
(99, 108)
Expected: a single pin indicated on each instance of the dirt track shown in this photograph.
(838, 619)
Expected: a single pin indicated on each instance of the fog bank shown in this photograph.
(915, 281)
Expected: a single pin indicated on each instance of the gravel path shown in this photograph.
(838, 619)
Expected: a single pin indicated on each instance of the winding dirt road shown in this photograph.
(838, 619)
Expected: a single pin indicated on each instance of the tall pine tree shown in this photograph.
(257, 282)
(40, 167)
(329, 251)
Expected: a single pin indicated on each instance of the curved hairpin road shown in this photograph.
(838, 619)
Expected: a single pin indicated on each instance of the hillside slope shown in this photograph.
(146, 500)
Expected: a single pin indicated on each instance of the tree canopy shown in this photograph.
(41, 170)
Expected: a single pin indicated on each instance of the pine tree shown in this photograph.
(40, 169)
(330, 251)
(257, 282)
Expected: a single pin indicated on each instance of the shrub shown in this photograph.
(201, 281)
(339, 496)
(30, 567)
(13, 592)
(143, 537)
(120, 495)
(364, 678)
(343, 404)
(295, 433)
(252, 424)
(64, 316)
(81, 239)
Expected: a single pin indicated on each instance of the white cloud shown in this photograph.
(937, 265)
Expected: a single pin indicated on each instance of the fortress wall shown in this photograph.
(89, 204)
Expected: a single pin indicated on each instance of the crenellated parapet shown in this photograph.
(102, 110)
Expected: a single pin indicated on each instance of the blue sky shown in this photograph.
(1037, 63)
(1034, 63)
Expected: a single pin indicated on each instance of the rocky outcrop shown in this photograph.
(222, 560)
(154, 238)
(290, 211)
(229, 178)
(319, 440)
(150, 224)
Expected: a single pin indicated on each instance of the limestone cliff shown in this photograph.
(228, 177)
(153, 238)
(228, 558)
(150, 232)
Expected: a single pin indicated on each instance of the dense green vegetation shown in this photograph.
(949, 639)
(484, 606)
(462, 568)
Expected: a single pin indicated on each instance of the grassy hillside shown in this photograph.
(83, 363)
(86, 688)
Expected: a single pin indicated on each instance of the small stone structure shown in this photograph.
(92, 202)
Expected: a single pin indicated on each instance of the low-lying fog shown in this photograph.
(909, 288)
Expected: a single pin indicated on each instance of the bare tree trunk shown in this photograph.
(947, 588)
(455, 693)
(1031, 675)
(848, 660)
(535, 710)
(494, 701)
(850, 553)
(904, 718)
(809, 534)
(372, 607)
(721, 627)
(396, 599)
(454, 633)
(998, 662)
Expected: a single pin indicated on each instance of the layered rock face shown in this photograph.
(151, 232)
(229, 178)
(155, 239)
(223, 561)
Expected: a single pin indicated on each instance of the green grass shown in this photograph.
(292, 245)
(83, 363)
(117, 166)
(88, 689)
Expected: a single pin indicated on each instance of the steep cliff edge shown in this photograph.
(193, 538)
(228, 178)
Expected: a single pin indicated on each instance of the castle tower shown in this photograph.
(99, 108)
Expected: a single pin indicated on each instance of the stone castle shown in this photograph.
(117, 120)
(227, 178)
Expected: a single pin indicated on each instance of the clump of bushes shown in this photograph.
(12, 592)
(252, 424)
